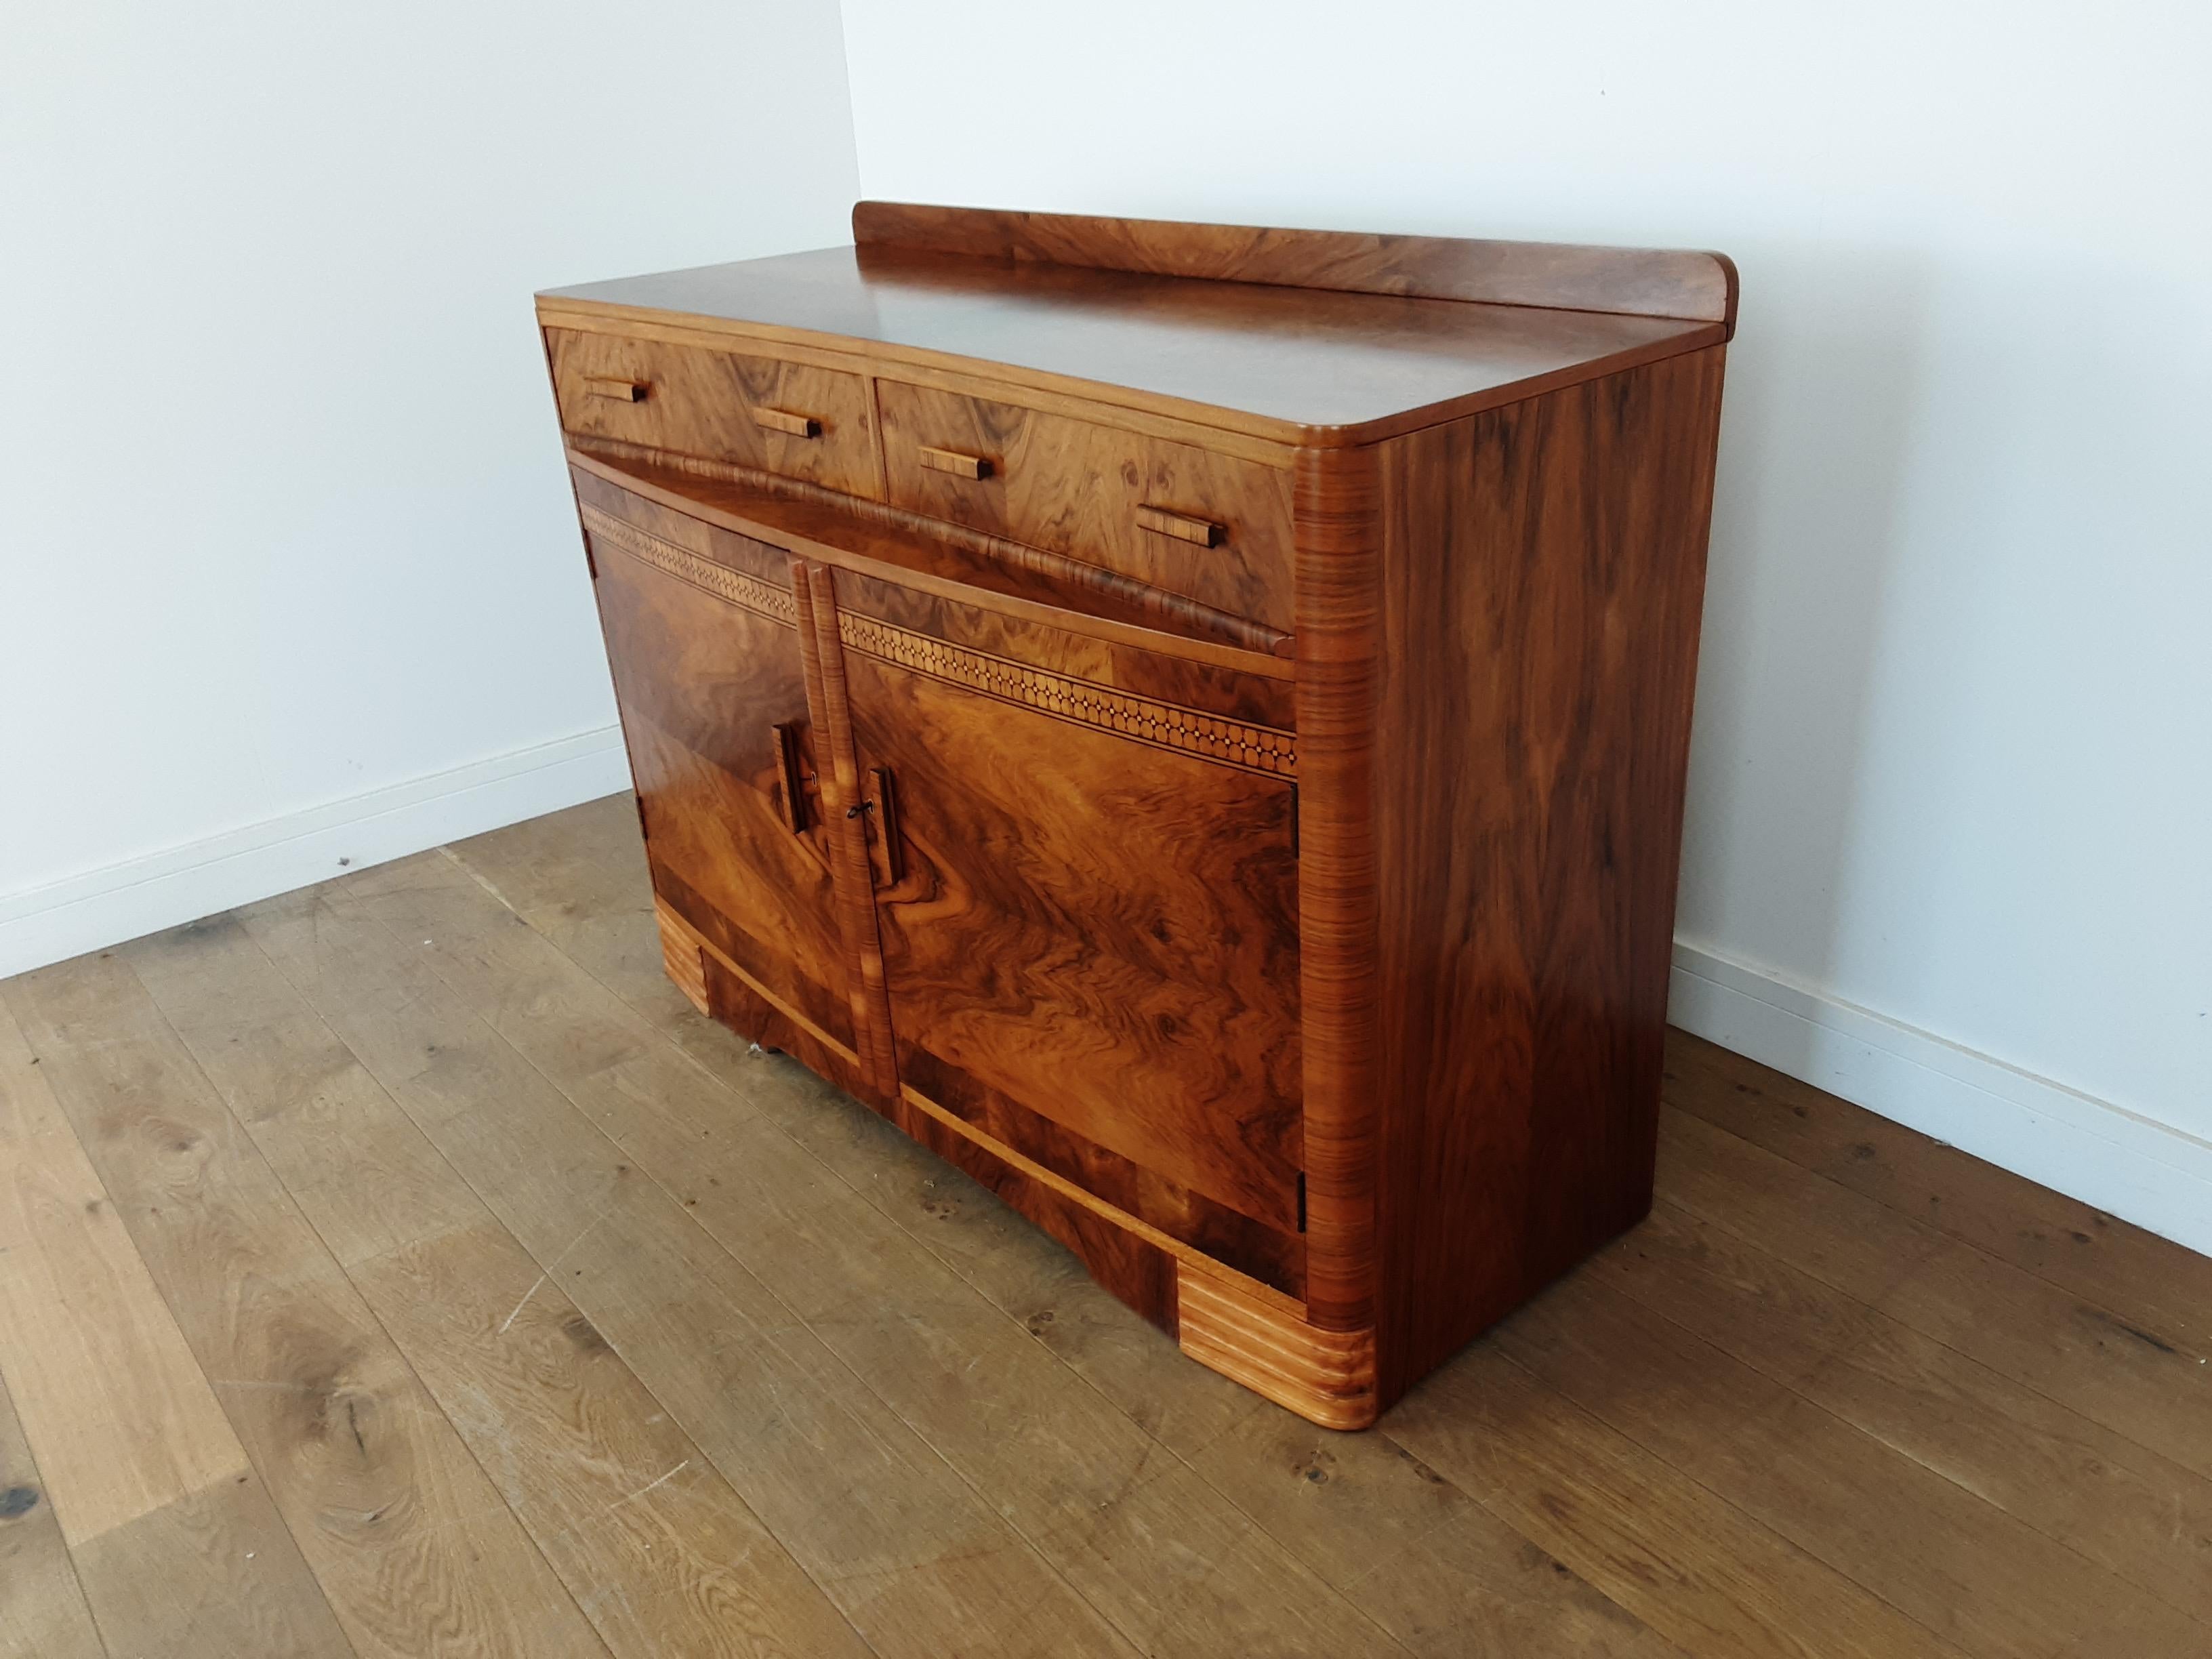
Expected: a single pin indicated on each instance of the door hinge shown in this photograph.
(1302, 1200)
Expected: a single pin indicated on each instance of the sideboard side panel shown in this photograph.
(1543, 583)
(1336, 500)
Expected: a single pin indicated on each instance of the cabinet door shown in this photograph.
(702, 635)
(1085, 929)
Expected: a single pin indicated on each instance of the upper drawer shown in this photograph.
(1210, 528)
(788, 418)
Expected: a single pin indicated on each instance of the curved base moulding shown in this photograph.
(1327, 1378)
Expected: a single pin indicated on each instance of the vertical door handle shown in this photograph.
(790, 777)
(886, 855)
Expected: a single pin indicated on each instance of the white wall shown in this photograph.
(289, 570)
(1950, 836)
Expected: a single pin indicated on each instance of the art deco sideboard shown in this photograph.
(1187, 722)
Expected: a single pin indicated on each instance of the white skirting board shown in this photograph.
(2116, 1160)
(144, 895)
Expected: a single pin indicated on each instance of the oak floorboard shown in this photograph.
(653, 1543)
(2151, 1281)
(2151, 1383)
(414, 1547)
(1108, 1506)
(1694, 1567)
(906, 1552)
(173, 1537)
(2127, 1508)
(1346, 1506)
(1965, 1569)
(43, 1613)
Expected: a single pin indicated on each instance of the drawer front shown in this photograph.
(792, 419)
(1211, 527)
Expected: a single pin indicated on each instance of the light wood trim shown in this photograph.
(1201, 532)
(1266, 665)
(782, 419)
(1694, 286)
(1336, 511)
(952, 461)
(1327, 1378)
(681, 954)
(616, 389)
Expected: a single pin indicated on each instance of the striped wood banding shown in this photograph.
(1327, 1378)
(1336, 503)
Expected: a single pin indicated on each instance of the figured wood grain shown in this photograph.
(1340, 549)
(707, 665)
(889, 542)
(1069, 893)
(407, 1537)
(1281, 364)
(1538, 618)
(654, 1546)
(784, 417)
(171, 1533)
(852, 357)
(1648, 282)
(1076, 487)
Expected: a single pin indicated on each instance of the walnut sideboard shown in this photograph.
(1187, 722)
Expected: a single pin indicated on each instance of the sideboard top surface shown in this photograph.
(1296, 364)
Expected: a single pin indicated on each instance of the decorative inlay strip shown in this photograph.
(736, 585)
(1165, 724)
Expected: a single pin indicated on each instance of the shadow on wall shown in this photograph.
(1816, 435)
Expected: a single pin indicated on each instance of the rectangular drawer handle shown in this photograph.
(614, 387)
(952, 461)
(1181, 525)
(782, 419)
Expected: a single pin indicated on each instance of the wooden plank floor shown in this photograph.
(403, 1267)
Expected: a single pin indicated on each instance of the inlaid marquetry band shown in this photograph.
(1165, 725)
(739, 588)
(1256, 748)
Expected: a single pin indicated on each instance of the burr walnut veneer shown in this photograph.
(1187, 722)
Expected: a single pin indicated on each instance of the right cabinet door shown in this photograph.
(1090, 942)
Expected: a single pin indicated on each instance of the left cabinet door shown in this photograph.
(702, 635)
